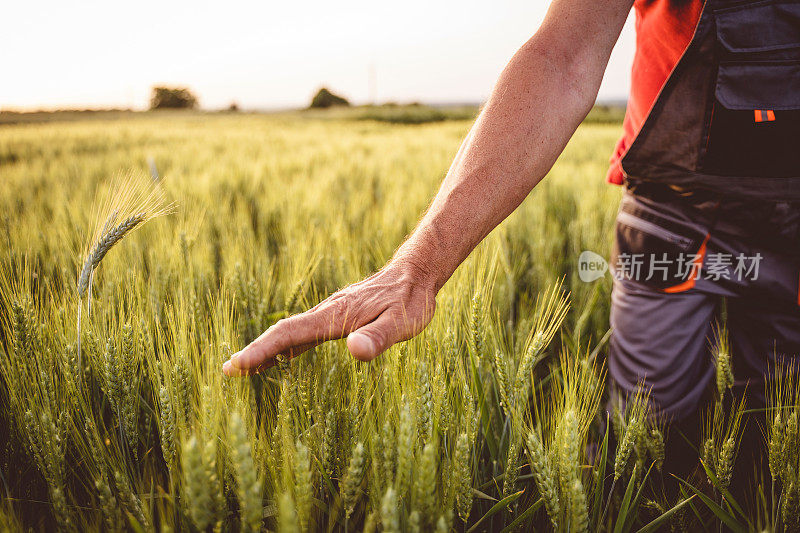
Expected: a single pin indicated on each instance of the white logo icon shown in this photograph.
(591, 266)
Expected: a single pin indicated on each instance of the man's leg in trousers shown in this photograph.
(763, 331)
(662, 340)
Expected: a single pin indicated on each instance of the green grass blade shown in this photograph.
(499, 506)
(635, 503)
(524, 516)
(729, 499)
(626, 500)
(664, 518)
(601, 477)
(483, 495)
(724, 516)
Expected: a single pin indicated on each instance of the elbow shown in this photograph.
(580, 82)
(576, 71)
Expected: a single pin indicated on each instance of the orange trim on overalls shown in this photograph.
(764, 115)
(697, 264)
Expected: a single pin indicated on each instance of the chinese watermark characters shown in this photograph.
(715, 266)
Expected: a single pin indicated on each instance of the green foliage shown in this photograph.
(325, 99)
(172, 98)
(415, 113)
(605, 114)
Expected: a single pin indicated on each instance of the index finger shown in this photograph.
(230, 371)
(325, 322)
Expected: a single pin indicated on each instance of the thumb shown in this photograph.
(368, 341)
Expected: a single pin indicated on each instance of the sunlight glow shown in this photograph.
(266, 54)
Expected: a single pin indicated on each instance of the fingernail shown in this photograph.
(226, 368)
(234, 358)
(369, 344)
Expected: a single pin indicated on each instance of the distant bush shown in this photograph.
(17, 117)
(605, 114)
(172, 98)
(234, 107)
(416, 113)
(324, 99)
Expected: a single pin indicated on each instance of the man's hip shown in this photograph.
(672, 265)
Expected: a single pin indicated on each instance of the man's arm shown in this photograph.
(539, 100)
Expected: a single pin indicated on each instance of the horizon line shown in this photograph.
(610, 101)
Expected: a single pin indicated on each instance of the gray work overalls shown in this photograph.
(711, 211)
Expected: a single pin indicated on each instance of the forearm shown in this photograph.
(539, 100)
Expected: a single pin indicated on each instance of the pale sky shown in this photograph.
(266, 54)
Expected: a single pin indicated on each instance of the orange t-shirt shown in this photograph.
(664, 29)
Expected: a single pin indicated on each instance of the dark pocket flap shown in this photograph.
(759, 85)
(651, 249)
(759, 26)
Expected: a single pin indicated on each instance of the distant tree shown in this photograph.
(324, 98)
(234, 107)
(172, 98)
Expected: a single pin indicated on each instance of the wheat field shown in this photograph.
(116, 415)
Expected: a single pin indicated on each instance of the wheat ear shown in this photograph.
(103, 245)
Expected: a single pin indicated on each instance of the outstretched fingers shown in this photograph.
(292, 336)
(232, 371)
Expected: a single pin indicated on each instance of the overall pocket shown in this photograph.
(654, 250)
(761, 26)
(754, 123)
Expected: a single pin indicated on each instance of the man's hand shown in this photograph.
(392, 305)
